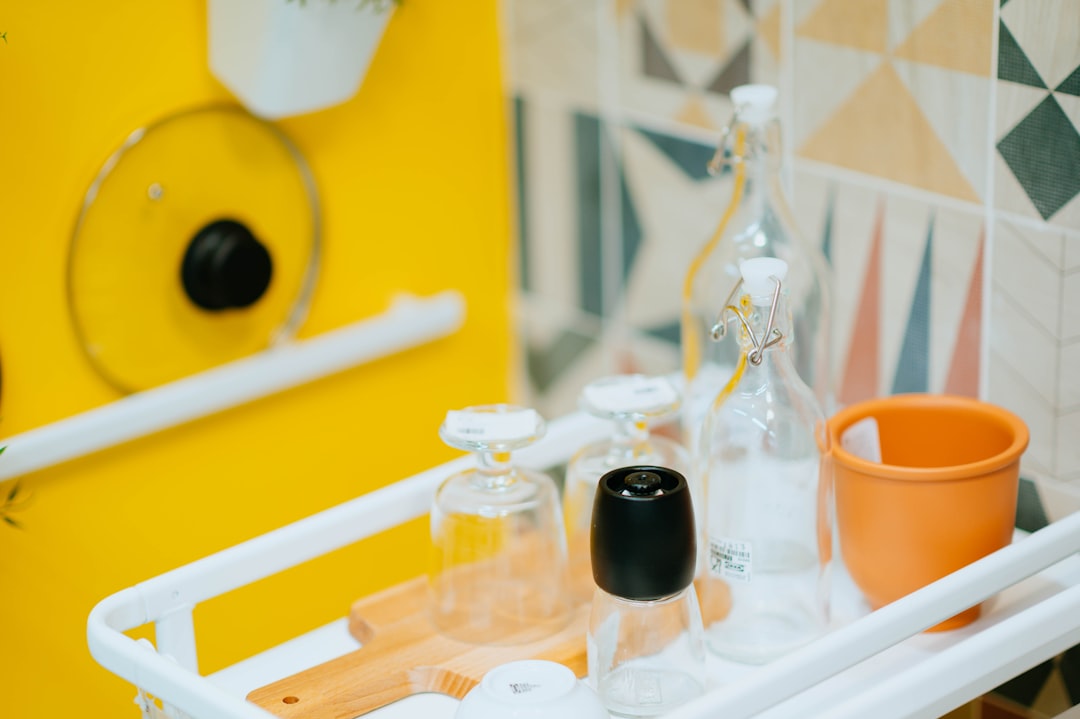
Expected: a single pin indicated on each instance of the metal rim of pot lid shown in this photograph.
(196, 244)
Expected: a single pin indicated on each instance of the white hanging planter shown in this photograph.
(288, 57)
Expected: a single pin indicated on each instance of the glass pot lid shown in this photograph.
(197, 244)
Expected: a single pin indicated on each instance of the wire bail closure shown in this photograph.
(723, 156)
(771, 336)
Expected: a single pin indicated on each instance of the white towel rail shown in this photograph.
(410, 321)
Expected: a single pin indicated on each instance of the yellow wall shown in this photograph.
(413, 179)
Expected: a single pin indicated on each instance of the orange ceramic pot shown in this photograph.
(943, 495)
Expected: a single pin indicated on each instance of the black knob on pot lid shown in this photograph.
(644, 543)
(225, 267)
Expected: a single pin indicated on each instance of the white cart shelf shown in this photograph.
(877, 664)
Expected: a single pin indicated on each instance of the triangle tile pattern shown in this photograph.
(695, 113)
(588, 137)
(1071, 84)
(1030, 514)
(963, 377)
(695, 26)
(594, 152)
(523, 235)
(942, 50)
(546, 364)
(680, 58)
(827, 231)
(846, 70)
(913, 369)
(1043, 152)
(768, 29)
(631, 230)
(735, 73)
(956, 35)
(1049, 32)
(860, 379)
(654, 60)
(691, 157)
(1013, 64)
(677, 203)
(670, 332)
(883, 107)
(962, 122)
(863, 25)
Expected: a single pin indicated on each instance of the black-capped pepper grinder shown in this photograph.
(646, 647)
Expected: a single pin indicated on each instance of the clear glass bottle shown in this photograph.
(768, 506)
(630, 402)
(498, 543)
(757, 223)
(645, 644)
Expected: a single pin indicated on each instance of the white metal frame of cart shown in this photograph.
(880, 664)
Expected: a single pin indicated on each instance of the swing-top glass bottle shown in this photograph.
(758, 223)
(768, 503)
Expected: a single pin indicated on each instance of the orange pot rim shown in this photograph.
(869, 408)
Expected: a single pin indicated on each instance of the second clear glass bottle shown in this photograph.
(768, 505)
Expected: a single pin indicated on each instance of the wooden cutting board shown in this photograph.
(403, 654)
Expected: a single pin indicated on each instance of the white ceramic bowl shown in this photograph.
(531, 689)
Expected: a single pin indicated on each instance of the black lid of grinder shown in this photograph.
(644, 544)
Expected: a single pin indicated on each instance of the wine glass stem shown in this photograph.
(495, 467)
(629, 434)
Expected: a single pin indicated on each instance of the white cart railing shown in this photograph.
(879, 665)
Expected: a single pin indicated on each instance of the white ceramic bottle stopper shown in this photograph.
(759, 275)
(754, 103)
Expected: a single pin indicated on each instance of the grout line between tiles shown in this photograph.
(989, 226)
(609, 102)
(787, 87)
(1036, 223)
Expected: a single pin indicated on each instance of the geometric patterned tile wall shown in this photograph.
(679, 59)
(896, 90)
(924, 194)
(908, 283)
(937, 161)
(1038, 111)
(1035, 347)
(1035, 350)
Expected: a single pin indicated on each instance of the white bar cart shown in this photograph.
(876, 664)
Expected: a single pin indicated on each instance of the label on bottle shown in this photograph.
(492, 426)
(863, 440)
(631, 394)
(730, 559)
